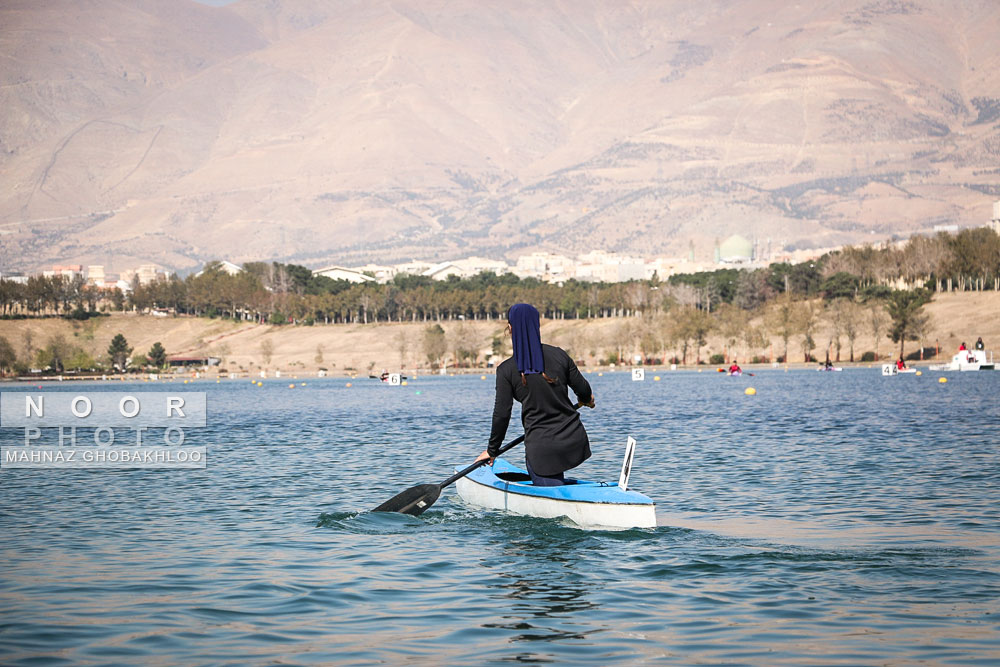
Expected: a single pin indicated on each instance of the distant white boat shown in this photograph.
(967, 360)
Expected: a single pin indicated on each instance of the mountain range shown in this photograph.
(347, 131)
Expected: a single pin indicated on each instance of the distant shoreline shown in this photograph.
(357, 350)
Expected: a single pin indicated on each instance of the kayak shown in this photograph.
(588, 504)
(831, 368)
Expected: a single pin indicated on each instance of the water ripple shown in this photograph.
(811, 523)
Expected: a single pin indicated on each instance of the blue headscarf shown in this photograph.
(526, 338)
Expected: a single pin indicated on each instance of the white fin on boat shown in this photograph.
(627, 464)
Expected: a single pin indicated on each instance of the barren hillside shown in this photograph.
(310, 131)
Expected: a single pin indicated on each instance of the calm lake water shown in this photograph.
(833, 518)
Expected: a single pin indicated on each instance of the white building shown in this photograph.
(467, 268)
(225, 266)
(734, 250)
(412, 268)
(664, 267)
(96, 275)
(383, 274)
(343, 273)
(443, 271)
(543, 265)
(995, 222)
(14, 278)
(601, 266)
(69, 271)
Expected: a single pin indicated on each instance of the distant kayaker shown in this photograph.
(900, 364)
(979, 344)
(539, 377)
(735, 368)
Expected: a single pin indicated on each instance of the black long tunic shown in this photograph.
(555, 439)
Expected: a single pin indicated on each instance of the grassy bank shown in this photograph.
(348, 349)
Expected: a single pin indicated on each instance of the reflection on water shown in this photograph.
(545, 594)
(811, 523)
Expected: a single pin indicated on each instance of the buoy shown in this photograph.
(600, 375)
(920, 372)
(942, 380)
(348, 384)
(418, 392)
(750, 391)
(259, 383)
(482, 377)
(656, 378)
(719, 370)
(291, 386)
(403, 384)
(302, 384)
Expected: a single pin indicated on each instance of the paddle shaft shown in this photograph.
(459, 475)
(510, 445)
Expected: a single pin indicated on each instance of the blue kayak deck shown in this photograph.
(574, 490)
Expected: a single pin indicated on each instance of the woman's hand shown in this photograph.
(485, 456)
(591, 404)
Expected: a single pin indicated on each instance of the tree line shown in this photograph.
(287, 293)
(868, 289)
(58, 355)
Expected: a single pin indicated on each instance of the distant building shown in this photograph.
(443, 271)
(544, 266)
(664, 267)
(225, 266)
(951, 229)
(230, 268)
(70, 271)
(473, 266)
(412, 268)
(466, 268)
(383, 274)
(14, 277)
(146, 274)
(174, 362)
(735, 250)
(601, 266)
(343, 273)
(96, 275)
(995, 222)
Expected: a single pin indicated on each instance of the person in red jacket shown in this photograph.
(900, 364)
(735, 368)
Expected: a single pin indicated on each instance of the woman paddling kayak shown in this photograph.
(539, 377)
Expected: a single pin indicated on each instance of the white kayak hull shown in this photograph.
(587, 504)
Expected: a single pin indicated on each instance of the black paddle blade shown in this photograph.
(412, 501)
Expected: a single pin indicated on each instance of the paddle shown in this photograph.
(417, 499)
